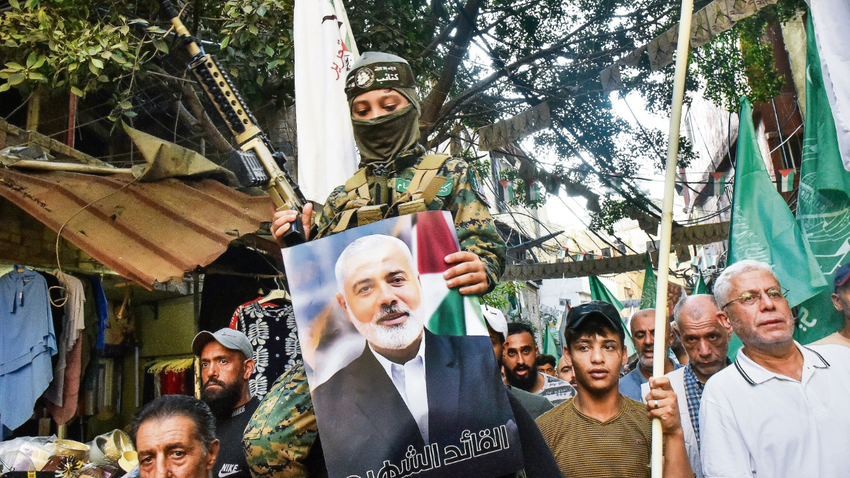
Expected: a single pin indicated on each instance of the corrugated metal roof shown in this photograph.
(144, 231)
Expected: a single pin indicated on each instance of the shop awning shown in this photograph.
(146, 232)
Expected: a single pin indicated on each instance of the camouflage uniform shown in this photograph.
(475, 229)
(279, 436)
(282, 430)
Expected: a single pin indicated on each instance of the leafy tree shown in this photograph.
(478, 61)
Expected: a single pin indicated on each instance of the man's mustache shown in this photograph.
(212, 380)
(391, 310)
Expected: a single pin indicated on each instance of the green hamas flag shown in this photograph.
(650, 286)
(823, 210)
(763, 227)
(598, 291)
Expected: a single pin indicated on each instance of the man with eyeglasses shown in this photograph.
(781, 409)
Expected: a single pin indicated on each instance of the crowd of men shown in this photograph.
(778, 410)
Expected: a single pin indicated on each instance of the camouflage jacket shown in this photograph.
(458, 195)
(279, 437)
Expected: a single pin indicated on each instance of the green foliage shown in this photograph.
(56, 43)
(256, 37)
(501, 294)
(613, 210)
(740, 61)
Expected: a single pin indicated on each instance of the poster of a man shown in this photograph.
(393, 398)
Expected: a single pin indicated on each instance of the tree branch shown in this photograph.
(457, 50)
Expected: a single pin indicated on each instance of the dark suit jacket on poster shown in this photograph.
(363, 420)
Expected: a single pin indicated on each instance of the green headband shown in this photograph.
(378, 71)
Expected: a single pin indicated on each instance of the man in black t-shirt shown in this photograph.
(227, 362)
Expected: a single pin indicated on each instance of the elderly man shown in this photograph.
(841, 301)
(409, 387)
(781, 411)
(642, 326)
(520, 369)
(599, 432)
(227, 362)
(706, 342)
(174, 436)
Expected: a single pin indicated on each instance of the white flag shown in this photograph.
(324, 53)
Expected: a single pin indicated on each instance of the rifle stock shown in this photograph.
(251, 140)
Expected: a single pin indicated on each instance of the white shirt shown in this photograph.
(409, 380)
(754, 422)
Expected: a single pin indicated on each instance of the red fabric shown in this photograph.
(434, 241)
(234, 320)
(71, 388)
(173, 383)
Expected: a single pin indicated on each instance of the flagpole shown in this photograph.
(667, 223)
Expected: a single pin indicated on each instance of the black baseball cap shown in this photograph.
(842, 277)
(597, 310)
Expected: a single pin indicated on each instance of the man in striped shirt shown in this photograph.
(599, 432)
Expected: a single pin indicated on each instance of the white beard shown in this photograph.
(393, 337)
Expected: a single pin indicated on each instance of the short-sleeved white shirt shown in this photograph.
(754, 422)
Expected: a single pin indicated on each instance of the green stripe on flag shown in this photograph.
(448, 318)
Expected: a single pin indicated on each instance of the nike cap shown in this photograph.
(495, 319)
(231, 339)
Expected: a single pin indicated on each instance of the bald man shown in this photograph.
(706, 340)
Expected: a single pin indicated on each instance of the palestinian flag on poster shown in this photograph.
(785, 180)
(448, 312)
(718, 180)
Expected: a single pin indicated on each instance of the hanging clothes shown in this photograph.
(102, 310)
(170, 377)
(73, 325)
(27, 342)
(270, 327)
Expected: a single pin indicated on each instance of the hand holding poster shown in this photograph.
(391, 397)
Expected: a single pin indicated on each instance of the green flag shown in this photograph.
(598, 291)
(823, 210)
(763, 227)
(650, 286)
(700, 287)
(550, 343)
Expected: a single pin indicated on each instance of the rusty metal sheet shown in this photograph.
(146, 232)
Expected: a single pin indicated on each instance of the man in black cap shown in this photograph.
(227, 362)
(600, 432)
(841, 301)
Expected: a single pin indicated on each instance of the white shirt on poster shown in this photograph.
(409, 380)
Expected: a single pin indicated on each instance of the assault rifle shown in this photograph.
(255, 163)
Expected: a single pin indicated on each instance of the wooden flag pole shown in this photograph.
(659, 352)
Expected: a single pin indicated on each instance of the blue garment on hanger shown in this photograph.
(102, 310)
(26, 344)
